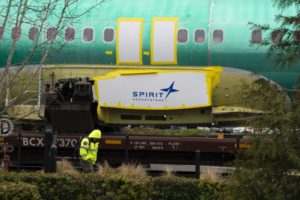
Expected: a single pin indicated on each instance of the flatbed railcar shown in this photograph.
(26, 150)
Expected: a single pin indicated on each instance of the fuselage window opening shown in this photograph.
(1, 32)
(277, 36)
(88, 35)
(51, 33)
(218, 36)
(182, 36)
(256, 36)
(69, 34)
(199, 36)
(33, 33)
(16, 33)
(109, 34)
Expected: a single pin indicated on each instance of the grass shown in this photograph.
(105, 169)
(65, 166)
(132, 171)
(211, 175)
(169, 172)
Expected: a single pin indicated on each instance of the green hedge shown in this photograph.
(173, 188)
(113, 187)
(18, 191)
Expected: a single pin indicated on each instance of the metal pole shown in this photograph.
(48, 142)
(126, 148)
(6, 159)
(40, 88)
(53, 153)
(197, 164)
(7, 89)
(52, 75)
(238, 142)
(19, 149)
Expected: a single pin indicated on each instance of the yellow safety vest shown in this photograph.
(88, 150)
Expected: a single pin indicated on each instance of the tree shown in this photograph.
(283, 41)
(20, 81)
(266, 170)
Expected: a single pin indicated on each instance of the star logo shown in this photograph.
(170, 89)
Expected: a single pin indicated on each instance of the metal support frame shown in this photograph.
(197, 164)
(7, 90)
(40, 88)
(19, 139)
(126, 148)
(50, 150)
(53, 153)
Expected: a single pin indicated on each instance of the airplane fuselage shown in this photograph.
(208, 33)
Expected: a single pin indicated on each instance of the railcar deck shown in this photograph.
(27, 149)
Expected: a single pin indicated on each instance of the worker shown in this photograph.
(89, 149)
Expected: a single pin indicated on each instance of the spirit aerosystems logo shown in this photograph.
(156, 96)
(6, 127)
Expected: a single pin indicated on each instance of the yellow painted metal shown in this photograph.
(113, 141)
(221, 136)
(108, 52)
(234, 109)
(244, 146)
